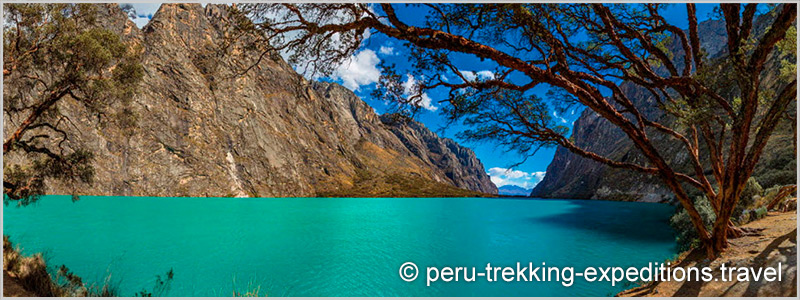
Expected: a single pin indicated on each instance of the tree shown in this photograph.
(55, 53)
(730, 117)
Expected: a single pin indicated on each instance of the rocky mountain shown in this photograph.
(457, 162)
(513, 190)
(573, 177)
(207, 128)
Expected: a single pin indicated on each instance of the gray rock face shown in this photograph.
(205, 128)
(571, 176)
(457, 164)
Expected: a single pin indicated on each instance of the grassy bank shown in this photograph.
(28, 276)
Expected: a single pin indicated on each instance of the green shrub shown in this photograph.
(685, 234)
(761, 212)
(778, 177)
(773, 190)
(747, 198)
(745, 217)
(750, 215)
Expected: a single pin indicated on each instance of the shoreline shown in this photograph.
(485, 196)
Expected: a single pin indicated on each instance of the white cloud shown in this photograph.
(469, 75)
(141, 21)
(144, 8)
(386, 50)
(503, 176)
(555, 115)
(485, 74)
(410, 89)
(144, 12)
(360, 69)
(472, 76)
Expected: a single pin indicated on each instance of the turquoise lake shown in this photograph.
(337, 246)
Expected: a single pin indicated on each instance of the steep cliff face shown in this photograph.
(206, 128)
(455, 162)
(571, 176)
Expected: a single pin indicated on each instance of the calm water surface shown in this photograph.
(336, 246)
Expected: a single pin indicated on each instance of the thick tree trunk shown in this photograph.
(720, 232)
(719, 238)
(723, 226)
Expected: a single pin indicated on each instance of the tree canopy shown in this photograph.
(54, 53)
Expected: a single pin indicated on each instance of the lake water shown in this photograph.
(337, 246)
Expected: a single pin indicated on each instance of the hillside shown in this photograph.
(206, 128)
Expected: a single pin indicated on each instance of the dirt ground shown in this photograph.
(12, 289)
(777, 242)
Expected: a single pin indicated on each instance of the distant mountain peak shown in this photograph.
(513, 190)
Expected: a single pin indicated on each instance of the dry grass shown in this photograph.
(31, 275)
(386, 173)
(30, 272)
(253, 290)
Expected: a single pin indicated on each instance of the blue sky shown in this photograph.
(361, 73)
